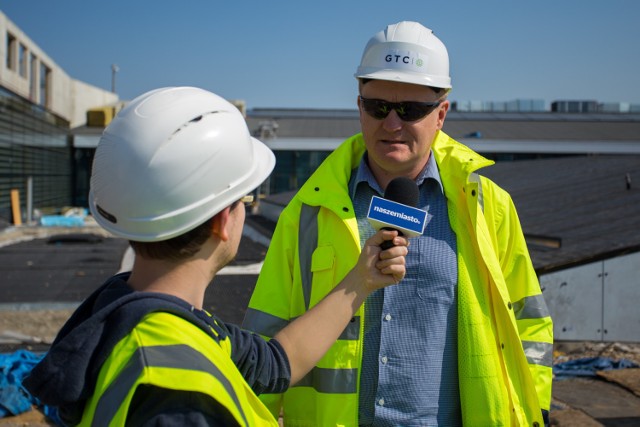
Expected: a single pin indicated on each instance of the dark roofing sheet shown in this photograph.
(583, 202)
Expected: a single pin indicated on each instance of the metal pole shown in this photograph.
(114, 70)
(29, 200)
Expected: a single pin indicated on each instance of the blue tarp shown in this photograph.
(73, 218)
(588, 366)
(14, 399)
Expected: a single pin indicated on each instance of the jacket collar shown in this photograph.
(456, 161)
(330, 181)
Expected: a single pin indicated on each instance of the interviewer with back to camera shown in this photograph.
(466, 339)
(170, 174)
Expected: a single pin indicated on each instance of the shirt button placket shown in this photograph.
(384, 359)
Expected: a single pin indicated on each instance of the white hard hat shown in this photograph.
(172, 159)
(406, 52)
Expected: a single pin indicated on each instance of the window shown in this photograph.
(22, 60)
(11, 52)
(45, 85)
(33, 77)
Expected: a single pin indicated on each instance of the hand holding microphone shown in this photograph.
(397, 210)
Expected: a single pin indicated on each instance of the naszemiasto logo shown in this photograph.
(400, 215)
(405, 59)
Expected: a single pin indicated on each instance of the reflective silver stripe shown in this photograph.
(474, 177)
(337, 381)
(307, 243)
(263, 323)
(170, 356)
(532, 307)
(269, 325)
(538, 353)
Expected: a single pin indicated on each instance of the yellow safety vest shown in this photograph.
(505, 334)
(167, 351)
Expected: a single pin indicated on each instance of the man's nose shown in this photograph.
(392, 121)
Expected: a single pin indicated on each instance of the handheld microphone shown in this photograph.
(397, 210)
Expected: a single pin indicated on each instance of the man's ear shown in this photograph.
(219, 224)
(442, 113)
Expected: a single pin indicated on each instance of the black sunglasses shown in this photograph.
(408, 111)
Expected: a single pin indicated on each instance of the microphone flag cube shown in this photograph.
(387, 213)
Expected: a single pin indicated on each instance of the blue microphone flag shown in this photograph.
(387, 213)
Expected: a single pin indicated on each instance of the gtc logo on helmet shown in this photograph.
(404, 60)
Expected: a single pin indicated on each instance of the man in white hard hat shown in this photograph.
(467, 338)
(170, 175)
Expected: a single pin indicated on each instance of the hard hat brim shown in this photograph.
(404, 77)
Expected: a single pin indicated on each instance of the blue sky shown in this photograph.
(298, 54)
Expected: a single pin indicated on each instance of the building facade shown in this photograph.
(39, 104)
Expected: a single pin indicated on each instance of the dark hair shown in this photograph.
(177, 248)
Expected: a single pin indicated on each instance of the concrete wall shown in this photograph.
(86, 97)
(65, 96)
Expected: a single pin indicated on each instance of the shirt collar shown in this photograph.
(364, 174)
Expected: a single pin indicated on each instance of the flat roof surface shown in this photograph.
(582, 202)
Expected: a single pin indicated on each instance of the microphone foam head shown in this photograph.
(402, 190)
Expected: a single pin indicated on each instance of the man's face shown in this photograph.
(395, 147)
(237, 215)
(233, 230)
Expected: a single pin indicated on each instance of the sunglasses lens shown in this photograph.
(376, 108)
(407, 111)
(414, 111)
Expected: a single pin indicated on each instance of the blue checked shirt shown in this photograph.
(410, 365)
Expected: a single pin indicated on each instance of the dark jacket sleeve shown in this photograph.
(155, 406)
(263, 364)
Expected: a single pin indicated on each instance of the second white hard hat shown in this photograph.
(406, 52)
(172, 159)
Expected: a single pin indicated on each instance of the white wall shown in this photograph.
(596, 301)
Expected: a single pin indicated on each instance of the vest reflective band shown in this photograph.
(534, 307)
(538, 353)
(169, 356)
(268, 325)
(307, 243)
(531, 307)
(337, 381)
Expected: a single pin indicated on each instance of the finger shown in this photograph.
(394, 252)
(389, 259)
(391, 266)
(396, 272)
(381, 236)
(398, 241)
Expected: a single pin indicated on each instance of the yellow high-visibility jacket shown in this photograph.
(505, 333)
(167, 351)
